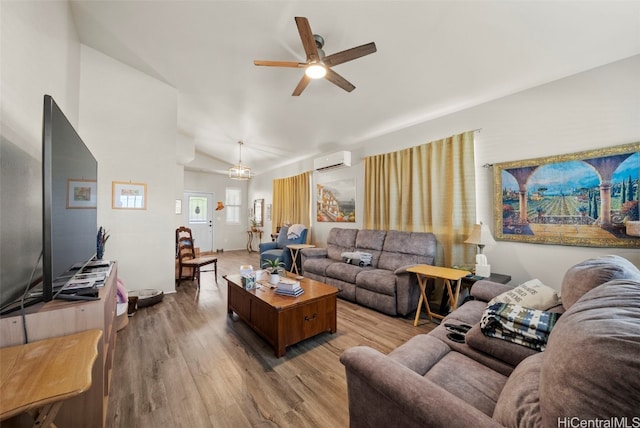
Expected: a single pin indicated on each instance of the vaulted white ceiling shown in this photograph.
(433, 58)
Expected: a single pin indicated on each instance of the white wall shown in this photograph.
(129, 121)
(262, 187)
(40, 55)
(590, 110)
(225, 236)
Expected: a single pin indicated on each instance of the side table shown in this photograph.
(423, 272)
(250, 235)
(295, 249)
(468, 281)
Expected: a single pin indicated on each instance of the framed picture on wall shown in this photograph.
(129, 196)
(336, 201)
(583, 199)
(81, 193)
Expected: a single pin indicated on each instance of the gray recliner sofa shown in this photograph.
(385, 285)
(589, 371)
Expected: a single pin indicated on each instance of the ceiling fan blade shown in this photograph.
(292, 64)
(302, 84)
(336, 79)
(308, 42)
(349, 54)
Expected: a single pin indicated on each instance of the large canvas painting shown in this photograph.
(584, 199)
(336, 201)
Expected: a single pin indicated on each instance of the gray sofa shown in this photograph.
(590, 369)
(385, 285)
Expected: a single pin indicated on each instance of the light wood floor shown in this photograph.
(186, 363)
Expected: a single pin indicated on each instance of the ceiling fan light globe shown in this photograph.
(316, 71)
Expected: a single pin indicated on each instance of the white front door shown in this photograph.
(199, 217)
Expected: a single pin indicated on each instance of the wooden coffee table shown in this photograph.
(283, 320)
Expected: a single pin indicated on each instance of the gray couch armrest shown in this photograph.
(486, 290)
(509, 352)
(312, 253)
(383, 392)
(403, 269)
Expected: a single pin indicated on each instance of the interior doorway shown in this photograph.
(199, 217)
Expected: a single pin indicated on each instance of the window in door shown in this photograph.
(197, 209)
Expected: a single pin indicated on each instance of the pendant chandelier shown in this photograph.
(240, 172)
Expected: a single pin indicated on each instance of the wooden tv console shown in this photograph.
(58, 318)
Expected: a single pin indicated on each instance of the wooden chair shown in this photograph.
(188, 261)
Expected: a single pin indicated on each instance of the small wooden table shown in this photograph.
(40, 376)
(427, 271)
(295, 249)
(468, 281)
(250, 236)
(284, 320)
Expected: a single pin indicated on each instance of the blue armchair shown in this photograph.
(279, 250)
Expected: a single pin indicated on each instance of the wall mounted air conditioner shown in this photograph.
(332, 161)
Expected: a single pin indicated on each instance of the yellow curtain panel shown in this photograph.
(292, 200)
(427, 188)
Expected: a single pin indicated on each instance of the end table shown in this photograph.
(468, 281)
(295, 249)
(423, 272)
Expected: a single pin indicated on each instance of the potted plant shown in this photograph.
(273, 267)
(254, 224)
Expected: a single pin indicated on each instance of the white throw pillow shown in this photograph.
(532, 294)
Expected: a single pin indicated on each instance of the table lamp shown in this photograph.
(481, 236)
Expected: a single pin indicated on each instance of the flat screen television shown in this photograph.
(69, 192)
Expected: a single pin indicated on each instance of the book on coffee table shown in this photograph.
(294, 293)
(288, 284)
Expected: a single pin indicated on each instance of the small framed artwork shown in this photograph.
(129, 196)
(81, 193)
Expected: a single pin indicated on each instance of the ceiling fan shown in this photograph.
(317, 65)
